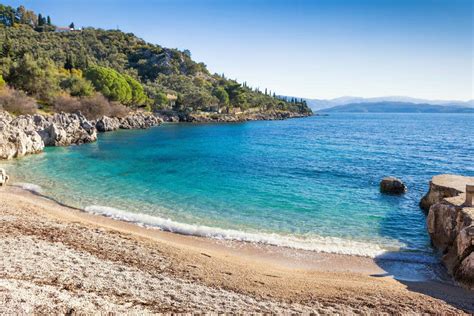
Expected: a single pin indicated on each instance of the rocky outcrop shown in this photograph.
(139, 120)
(64, 129)
(392, 185)
(441, 187)
(17, 137)
(451, 226)
(136, 120)
(204, 117)
(107, 124)
(29, 134)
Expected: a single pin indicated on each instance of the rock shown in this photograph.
(107, 124)
(18, 137)
(64, 129)
(451, 226)
(139, 120)
(465, 271)
(392, 185)
(444, 186)
(3, 177)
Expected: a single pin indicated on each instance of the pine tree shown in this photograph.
(48, 20)
(40, 20)
(71, 26)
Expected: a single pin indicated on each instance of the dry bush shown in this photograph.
(91, 107)
(67, 104)
(17, 102)
(118, 110)
(95, 106)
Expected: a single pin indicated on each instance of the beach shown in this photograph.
(60, 259)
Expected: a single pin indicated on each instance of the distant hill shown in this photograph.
(318, 104)
(397, 107)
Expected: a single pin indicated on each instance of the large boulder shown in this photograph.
(392, 185)
(18, 137)
(107, 124)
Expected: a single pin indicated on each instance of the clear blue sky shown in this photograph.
(314, 49)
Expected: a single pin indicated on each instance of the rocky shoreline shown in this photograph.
(29, 134)
(450, 224)
(208, 117)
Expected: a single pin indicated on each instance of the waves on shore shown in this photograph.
(318, 244)
(29, 187)
(315, 243)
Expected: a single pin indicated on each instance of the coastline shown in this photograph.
(285, 279)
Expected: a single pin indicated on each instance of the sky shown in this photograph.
(306, 48)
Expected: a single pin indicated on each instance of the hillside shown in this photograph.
(319, 104)
(46, 62)
(397, 107)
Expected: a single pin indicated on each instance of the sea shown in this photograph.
(310, 183)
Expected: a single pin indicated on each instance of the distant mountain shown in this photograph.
(318, 104)
(397, 107)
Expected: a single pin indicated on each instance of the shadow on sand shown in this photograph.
(429, 278)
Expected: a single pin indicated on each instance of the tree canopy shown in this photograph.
(121, 66)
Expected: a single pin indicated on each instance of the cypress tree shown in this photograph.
(48, 21)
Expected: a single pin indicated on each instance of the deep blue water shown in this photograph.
(308, 183)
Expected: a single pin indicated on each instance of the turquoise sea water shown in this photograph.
(307, 183)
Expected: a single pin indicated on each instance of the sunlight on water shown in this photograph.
(307, 183)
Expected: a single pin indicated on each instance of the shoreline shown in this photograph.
(282, 274)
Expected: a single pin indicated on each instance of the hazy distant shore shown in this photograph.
(64, 260)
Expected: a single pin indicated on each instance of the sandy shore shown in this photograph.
(58, 259)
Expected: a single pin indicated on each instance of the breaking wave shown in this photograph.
(315, 243)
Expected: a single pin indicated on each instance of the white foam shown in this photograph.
(318, 243)
(29, 187)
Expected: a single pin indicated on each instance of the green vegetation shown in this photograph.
(45, 64)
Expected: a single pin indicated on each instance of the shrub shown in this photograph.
(118, 110)
(17, 102)
(37, 76)
(92, 107)
(65, 103)
(138, 94)
(77, 86)
(110, 83)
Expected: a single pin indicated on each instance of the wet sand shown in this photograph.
(59, 259)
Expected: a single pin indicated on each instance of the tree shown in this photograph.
(221, 95)
(110, 83)
(138, 94)
(48, 20)
(38, 77)
(77, 86)
(71, 26)
(40, 20)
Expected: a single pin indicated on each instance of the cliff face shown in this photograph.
(29, 134)
(450, 224)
